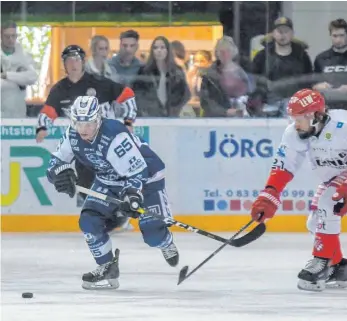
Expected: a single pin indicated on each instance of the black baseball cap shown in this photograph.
(283, 21)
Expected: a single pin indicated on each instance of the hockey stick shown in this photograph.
(183, 275)
(242, 241)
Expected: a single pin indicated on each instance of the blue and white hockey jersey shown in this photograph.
(118, 157)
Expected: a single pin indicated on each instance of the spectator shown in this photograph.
(331, 65)
(282, 58)
(202, 60)
(125, 64)
(225, 85)
(97, 65)
(161, 89)
(179, 53)
(17, 72)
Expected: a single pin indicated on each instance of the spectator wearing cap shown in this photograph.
(97, 64)
(330, 67)
(125, 64)
(282, 61)
(17, 72)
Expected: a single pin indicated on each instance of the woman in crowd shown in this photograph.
(179, 53)
(161, 89)
(225, 86)
(202, 61)
(97, 63)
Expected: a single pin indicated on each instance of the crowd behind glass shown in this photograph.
(169, 83)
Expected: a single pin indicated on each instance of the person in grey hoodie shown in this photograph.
(17, 72)
(125, 64)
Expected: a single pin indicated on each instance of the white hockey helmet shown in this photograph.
(85, 109)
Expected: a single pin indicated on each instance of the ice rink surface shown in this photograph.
(256, 283)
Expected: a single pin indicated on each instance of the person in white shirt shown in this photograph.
(17, 72)
(97, 65)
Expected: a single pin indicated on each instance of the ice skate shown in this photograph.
(314, 275)
(338, 275)
(171, 254)
(104, 277)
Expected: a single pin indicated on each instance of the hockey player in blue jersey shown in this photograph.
(127, 169)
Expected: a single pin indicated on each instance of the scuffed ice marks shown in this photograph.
(257, 282)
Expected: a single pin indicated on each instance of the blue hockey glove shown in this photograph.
(132, 201)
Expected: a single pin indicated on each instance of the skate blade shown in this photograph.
(101, 285)
(336, 285)
(304, 285)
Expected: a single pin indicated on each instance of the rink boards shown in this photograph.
(214, 170)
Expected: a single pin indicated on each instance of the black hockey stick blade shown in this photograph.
(183, 274)
(253, 235)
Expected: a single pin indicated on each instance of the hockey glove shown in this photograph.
(341, 195)
(64, 180)
(266, 205)
(132, 201)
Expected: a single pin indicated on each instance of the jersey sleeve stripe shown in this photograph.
(49, 111)
(126, 94)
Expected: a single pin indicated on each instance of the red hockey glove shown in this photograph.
(341, 194)
(266, 204)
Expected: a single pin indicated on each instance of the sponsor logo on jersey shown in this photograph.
(281, 151)
(136, 164)
(105, 138)
(99, 163)
(103, 142)
(99, 151)
(90, 238)
(155, 209)
(336, 162)
(328, 136)
(339, 125)
(91, 92)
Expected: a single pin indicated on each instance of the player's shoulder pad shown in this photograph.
(338, 116)
(113, 127)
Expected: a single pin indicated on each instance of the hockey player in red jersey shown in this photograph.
(322, 137)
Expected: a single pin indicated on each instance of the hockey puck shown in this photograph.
(27, 295)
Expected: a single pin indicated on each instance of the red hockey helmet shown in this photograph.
(306, 102)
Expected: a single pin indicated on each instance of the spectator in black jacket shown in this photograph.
(330, 67)
(160, 87)
(282, 61)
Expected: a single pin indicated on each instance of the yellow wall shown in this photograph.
(211, 223)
